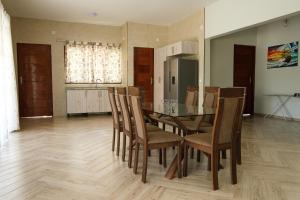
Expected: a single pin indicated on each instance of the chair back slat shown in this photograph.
(113, 105)
(228, 113)
(122, 97)
(191, 98)
(210, 97)
(137, 112)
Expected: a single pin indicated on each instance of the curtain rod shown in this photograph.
(65, 41)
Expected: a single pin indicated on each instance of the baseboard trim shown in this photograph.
(277, 117)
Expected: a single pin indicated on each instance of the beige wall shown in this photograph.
(191, 28)
(130, 35)
(40, 31)
(144, 35)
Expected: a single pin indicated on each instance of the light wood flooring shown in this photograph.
(64, 159)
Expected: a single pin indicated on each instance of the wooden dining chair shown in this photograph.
(155, 140)
(128, 124)
(117, 120)
(205, 122)
(191, 99)
(224, 133)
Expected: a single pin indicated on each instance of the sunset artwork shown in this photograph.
(285, 55)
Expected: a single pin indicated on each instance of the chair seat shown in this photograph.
(194, 126)
(205, 129)
(151, 128)
(159, 137)
(185, 118)
(203, 139)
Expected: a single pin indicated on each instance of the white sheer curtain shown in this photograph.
(92, 63)
(9, 113)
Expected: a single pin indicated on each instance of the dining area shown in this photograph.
(180, 133)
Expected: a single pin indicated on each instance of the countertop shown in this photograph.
(86, 88)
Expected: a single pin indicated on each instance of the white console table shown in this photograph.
(282, 100)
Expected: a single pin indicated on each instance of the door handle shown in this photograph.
(151, 81)
(21, 80)
(250, 80)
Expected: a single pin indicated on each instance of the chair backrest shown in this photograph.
(229, 109)
(131, 90)
(122, 98)
(240, 121)
(210, 97)
(137, 112)
(191, 98)
(113, 105)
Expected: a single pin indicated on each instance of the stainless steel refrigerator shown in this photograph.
(179, 73)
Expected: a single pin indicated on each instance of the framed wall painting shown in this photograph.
(284, 55)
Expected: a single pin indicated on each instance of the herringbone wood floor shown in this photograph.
(72, 159)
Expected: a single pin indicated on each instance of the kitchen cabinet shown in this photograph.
(76, 101)
(87, 101)
(182, 47)
(160, 56)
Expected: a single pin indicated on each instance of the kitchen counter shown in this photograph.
(86, 88)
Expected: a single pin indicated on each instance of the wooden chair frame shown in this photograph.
(117, 124)
(134, 96)
(213, 150)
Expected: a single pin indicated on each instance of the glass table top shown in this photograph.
(174, 109)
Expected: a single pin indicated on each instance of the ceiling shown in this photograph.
(110, 12)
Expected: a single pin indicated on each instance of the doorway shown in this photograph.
(35, 80)
(143, 72)
(244, 73)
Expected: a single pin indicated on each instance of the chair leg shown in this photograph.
(136, 158)
(174, 131)
(185, 159)
(192, 153)
(198, 156)
(215, 167)
(124, 147)
(224, 156)
(118, 141)
(164, 157)
(233, 164)
(238, 150)
(130, 152)
(179, 153)
(145, 163)
(164, 126)
(160, 156)
(209, 163)
(113, 139)
(149, 153)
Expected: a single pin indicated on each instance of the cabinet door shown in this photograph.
(76, 101)
(93, 101)
(170, 50)
(104, 101)
(177, 48)
(190, 47)
(160, 56)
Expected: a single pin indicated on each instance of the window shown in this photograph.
(92, 63)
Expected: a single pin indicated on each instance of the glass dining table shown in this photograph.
(175, 111)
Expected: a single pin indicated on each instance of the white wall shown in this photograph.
(267, 81)
(222, 56)
(225, 16)
(276, 81)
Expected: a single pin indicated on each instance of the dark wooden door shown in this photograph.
(143, 72)
(35, 80)
(244, 73)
